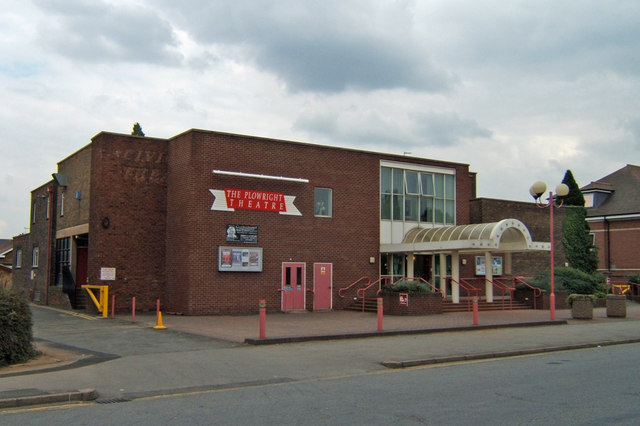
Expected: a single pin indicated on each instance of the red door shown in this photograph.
(81, 266)
(322, 284)
(293, 286)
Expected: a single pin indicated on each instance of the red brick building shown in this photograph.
(211, 223)
(613, 213)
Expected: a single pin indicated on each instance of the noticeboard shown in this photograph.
(239, 259)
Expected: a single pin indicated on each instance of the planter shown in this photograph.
(616, 306)
(581, 306)
(413, 304)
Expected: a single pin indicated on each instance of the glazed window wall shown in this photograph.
(413, 196)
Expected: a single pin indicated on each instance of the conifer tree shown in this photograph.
(576, 238)
(137, 130)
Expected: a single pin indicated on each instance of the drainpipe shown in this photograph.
(49, 240)
(607, 227)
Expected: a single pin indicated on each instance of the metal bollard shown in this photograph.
(475, 310)
(380, 313)
(263, 318)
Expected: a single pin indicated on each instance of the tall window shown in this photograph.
(322, 202)
(62, 203)
(35, 255)
(417, 196)
(18, 258)
(63, 256)
(33, 213)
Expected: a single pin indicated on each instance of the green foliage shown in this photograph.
(409, 286)
(15, 329)
(137, 130)
(575, 296)
(635, 279)
(571, 280)
(575, 197)
(578, 245)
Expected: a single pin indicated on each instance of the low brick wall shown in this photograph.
(417, 304)
(542, 301)
(616, 306)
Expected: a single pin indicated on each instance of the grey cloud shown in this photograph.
(100, 32)
(325, 46)
(424, 129)
(561, 38)
(446, 129)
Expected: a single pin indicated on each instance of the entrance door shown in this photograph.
(322, 283)
(293, 286)
(81, 266)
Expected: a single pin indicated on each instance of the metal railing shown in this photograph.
(353, 284)
(537, 291)
(361, 292)
(431, 286)
(468, 287)
(504, 288)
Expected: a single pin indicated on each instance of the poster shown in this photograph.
(496, 265)
(245, 234)
(239, 259)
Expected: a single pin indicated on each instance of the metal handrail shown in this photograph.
(360, 293)
(504, 287)
(537, 291)
(466, 286)
(434, 288)
(353, 284)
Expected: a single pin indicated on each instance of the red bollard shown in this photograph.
(475, 310)
(113, 306)
(380, 313)
(133, 309)
(263, 318)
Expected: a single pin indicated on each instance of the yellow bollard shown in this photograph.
(159, 325)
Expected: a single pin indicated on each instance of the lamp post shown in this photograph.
(536, 191)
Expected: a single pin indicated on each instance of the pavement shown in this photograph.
(89, 358)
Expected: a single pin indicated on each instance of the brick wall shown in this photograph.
(194, 232)
(29, 279)
(618, 245)
(128, 215)
(77, 193)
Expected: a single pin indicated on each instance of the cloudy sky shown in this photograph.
(520, 90)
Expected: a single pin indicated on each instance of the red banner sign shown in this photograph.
(248, 199)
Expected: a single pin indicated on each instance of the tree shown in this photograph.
(576, 238)
(137, 130)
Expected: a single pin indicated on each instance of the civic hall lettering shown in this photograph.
(254, 200)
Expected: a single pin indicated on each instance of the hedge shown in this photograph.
(15, 329)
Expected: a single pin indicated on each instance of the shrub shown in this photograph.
(572, 280)
(15, 329)
(409, 286)
(634, 279)
(575, 296)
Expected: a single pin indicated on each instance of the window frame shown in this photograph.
(35, 257)
(328, 193)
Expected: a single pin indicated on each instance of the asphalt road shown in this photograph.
(589, 387)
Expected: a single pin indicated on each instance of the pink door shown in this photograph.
(293, 286)
(322, 283)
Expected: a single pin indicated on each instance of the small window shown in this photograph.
(62, 204)
(33, 213)
(411, 182)
(322, 204)
(35, 257)
(18, 258)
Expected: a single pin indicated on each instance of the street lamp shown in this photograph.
(536, 191)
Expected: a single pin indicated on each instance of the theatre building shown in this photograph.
(211, 223)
